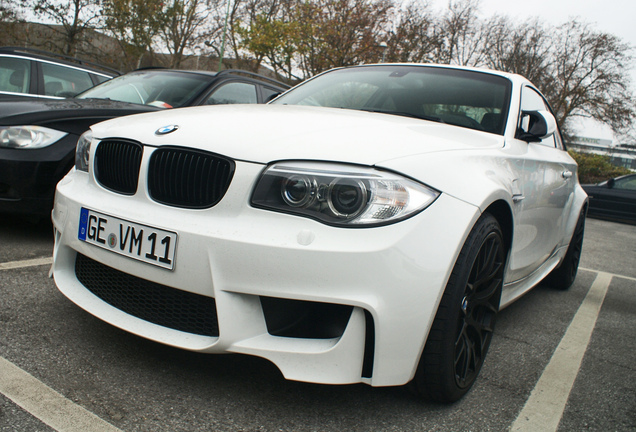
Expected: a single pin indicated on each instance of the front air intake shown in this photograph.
(159, 304)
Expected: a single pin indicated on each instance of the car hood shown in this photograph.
(43, 111)
(266, 133)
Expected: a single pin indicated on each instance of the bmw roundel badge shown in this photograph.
(166, 129)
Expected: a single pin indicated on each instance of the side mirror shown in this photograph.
(536, 125)
(610, 183)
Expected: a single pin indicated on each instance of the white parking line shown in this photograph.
(544, 408)
(35, 397)
(25, 263)
(542, 412)
(612, 274)
(46, 404)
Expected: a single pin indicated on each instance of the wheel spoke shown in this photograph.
(478, 309)
(490, 265)
(464, 357)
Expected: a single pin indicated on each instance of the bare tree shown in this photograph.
(590, 77)
(415, 36)
(583, 72)
(525, 49)
(312, 36)
(461, 34)
(9, 17)
(8, 12)
(340, 32)
(71, 20)
(184, 27)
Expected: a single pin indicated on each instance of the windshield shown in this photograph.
(464, 98)
(165, 89)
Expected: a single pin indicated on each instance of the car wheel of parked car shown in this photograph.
(462, 330)
(563, 276)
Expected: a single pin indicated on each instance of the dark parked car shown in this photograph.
(34, 74)
(613, 199)
(38, 137)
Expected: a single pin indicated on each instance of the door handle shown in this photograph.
(566, 174)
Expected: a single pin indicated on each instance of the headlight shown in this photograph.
(82, 151)
(28, 137)
(338, 194)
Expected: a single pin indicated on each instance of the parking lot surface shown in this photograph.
(559, 360)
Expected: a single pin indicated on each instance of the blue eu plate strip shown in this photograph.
(83, 223)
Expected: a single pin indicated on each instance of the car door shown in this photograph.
(545, 184)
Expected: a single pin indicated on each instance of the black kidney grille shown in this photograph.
(188, 178)
(117, 165)
(149, 301)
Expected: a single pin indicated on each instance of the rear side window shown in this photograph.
(233, 93)
(269, 93)
(99, 78)
(15, 75)
(64, 81)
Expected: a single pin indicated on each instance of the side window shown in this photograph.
(269, 93)
(99, 78)
(233, 93)
(64, 81)
(15, 74)
(627, 183)
(533, 101)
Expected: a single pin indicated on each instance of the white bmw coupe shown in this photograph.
(365, 226)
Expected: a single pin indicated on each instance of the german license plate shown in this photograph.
(141, 242)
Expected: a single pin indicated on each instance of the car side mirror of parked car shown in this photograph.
(610, 183)
(536, 125)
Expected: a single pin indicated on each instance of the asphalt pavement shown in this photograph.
(559, 360)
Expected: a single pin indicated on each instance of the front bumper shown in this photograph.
(388, 280)
(28, 177)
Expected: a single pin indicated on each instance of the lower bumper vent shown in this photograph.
(149, 301)
(305, 319)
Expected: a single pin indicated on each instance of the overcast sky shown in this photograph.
(610, 16)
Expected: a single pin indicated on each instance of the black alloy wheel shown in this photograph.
(563, 276)
(463, 327)
(479, 309)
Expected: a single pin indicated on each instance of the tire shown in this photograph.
(563, 276)
(464, 323)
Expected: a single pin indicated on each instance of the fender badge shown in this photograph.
(166, 129)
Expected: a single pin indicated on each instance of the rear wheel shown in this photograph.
(462, 330)
(563, 276)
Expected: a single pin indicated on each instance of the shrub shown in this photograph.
(594, 168)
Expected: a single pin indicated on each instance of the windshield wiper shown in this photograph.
(404, 114)
(93, 98)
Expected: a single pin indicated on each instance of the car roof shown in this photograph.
(511, 76)
(225, 72)
(46, 56)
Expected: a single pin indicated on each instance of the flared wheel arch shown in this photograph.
(436, 379)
